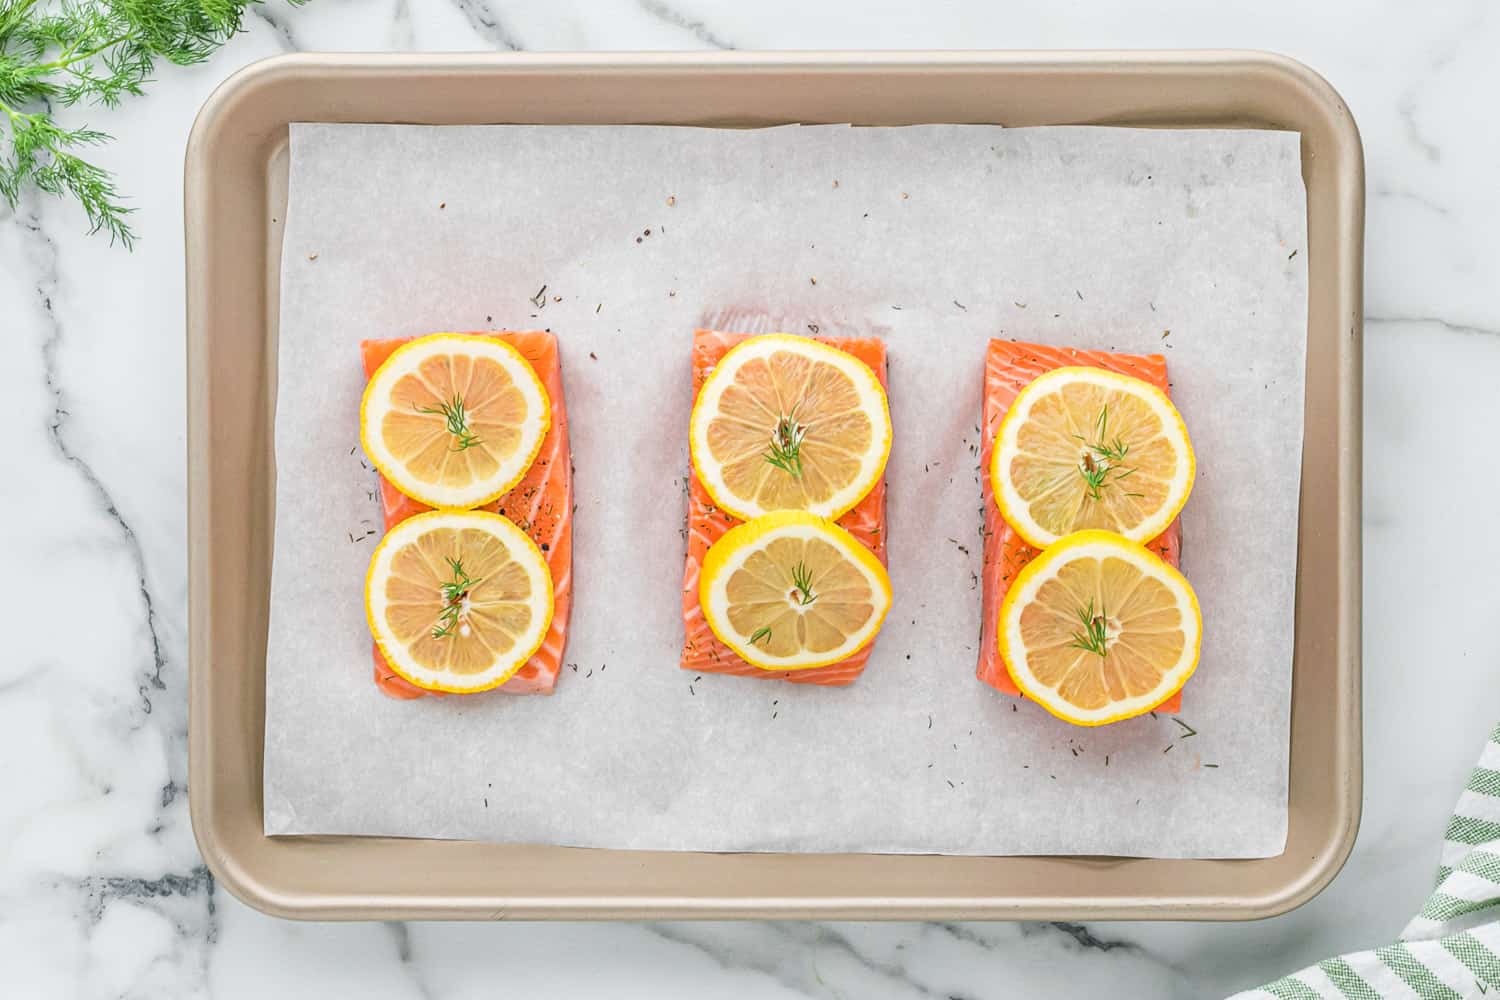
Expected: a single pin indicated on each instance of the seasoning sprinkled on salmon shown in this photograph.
(541, 504)
(702, 652)
(1009, 367)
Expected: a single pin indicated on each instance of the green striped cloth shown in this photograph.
(1451, 949)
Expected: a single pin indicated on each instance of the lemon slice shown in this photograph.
(1098, 629)
(787, 423)
(791, 591)
(454, 420)
(1084, 448)
(458, 601)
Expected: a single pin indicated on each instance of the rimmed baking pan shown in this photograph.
(235, 196)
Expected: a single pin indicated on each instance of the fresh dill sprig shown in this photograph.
(1114, 451)
(60, 53)
(1095, 475)
(455, 591)
(802, 582)
(1095, 637)
(761, 633)
(1101, 464)
(786, 446)
(453, 413)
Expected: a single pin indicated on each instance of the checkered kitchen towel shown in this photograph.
(1451, 950)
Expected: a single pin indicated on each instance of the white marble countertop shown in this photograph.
(102, 892)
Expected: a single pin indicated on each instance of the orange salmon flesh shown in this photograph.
(702, 652)
(1008, 368)
(541, 504)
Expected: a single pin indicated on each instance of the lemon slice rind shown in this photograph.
(1096, 545)
(706, 407)
(730, 553)
(519, 546)
(1016, 509)
(405, 359)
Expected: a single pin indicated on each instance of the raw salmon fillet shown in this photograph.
(1008, 367)
(541, 504)
(702, 652)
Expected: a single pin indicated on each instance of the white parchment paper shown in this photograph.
(1190, 243)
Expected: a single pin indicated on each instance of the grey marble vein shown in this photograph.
(1085, 938)
(401, 935)
(187, 901)
(896, 971)
(790, 938)
(134, 865)
(1380, 191)
(45, 253)
(488, 25)
(279, 25)
(1450, 325)
(1408, 111)
(1077, 935)
(723, 953)
(1439, 61)
(101, 891)
(403, 33)
(671, 15)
